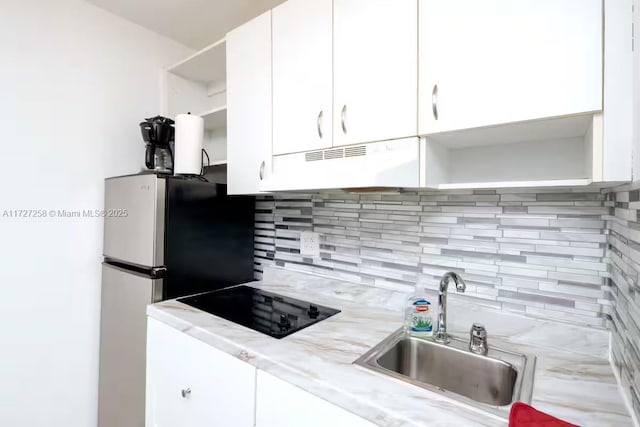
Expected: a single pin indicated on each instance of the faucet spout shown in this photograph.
(441, 332)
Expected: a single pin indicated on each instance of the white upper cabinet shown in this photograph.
(249, 105)
(488, 62)
(375, 70)
(501, 93)
(302, 76)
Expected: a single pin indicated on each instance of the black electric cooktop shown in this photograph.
(266, 312)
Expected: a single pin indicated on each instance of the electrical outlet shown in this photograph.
(309, 243)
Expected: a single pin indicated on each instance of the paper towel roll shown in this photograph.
(188, 144)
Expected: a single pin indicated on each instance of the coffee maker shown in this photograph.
(159, 134)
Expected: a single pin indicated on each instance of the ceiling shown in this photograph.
(194, 23)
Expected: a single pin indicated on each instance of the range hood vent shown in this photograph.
(314, 156)
(336, 153)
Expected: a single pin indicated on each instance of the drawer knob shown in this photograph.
(185, 392)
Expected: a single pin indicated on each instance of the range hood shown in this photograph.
(386, 164)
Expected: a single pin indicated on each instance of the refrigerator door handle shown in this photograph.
(136, 270)
(158, 272)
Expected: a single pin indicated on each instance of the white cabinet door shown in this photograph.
(485, 62)
(375, 47)
(249, 105)
(302, 75)
(191, 384)
(280, 404)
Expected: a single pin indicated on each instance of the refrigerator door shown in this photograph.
(134, 219)
(123, 327)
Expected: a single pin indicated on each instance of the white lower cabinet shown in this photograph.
(280, 404)
(191, 384)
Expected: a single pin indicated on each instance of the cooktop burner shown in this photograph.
(266, 312)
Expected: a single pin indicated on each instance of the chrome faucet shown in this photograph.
(441, 333)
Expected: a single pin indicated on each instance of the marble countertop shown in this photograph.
(573, 381)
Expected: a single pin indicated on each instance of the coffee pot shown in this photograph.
(159, 134)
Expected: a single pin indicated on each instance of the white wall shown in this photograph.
(636, 90)
(74, 83)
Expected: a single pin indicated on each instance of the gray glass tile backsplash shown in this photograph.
(539, 252)
(624, 265)
(571, 254)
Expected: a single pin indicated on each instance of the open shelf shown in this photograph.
(516, 184)
(543, 153)
(206, 66)
(215, 135)
(198, 83)
(215, 118)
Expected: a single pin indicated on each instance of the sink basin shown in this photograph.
(489, 382)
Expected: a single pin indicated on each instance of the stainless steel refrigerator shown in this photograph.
(164, 237)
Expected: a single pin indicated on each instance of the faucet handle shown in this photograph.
(478, 330)
(478, 339)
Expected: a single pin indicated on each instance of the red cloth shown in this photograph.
(523, 415)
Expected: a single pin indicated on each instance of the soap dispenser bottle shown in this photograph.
(421, 313)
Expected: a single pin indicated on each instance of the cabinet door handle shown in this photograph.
(261, 173)
(343, 117)
(320, 114)
(185, 392)
(434, 101)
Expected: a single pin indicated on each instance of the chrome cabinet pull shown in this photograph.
(343, 116)
(320, 114)
(185, 392)
(261, 173)
(434, 101)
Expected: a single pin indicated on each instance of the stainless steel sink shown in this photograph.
(488, 382)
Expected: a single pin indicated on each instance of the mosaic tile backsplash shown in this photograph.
(624, 257)
(540, 252)
(566, 254)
